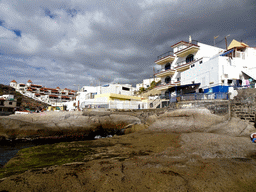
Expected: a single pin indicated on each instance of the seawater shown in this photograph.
(9, 149)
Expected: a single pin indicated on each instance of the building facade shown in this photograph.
(51, 96)
(146, 83)
(117, 96)
(206, 68)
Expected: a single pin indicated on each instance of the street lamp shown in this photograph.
(77, 86)
(226, 41)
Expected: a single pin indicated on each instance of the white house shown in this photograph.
(194, 66)
(146, 83)
(109, 96)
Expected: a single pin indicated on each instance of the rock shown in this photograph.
(234, 127)
(187, 120)
(61, 123)
(210, 145)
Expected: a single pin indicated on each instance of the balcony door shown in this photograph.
(189, 58)
(167, 66)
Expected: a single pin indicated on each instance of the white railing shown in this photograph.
(115, 104)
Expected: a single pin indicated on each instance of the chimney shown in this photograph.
(190, 39)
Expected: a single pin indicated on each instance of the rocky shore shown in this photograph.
(181, 150)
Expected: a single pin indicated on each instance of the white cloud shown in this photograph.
(29, 44)
(6, 34)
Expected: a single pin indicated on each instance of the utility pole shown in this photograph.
(226, 41)
(214, 39)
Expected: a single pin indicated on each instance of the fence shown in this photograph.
(115, 105)
(200, 96)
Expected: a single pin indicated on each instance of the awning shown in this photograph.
(193, 86)
(227, 52)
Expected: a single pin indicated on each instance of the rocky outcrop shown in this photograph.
(149, 160)
(63, 123)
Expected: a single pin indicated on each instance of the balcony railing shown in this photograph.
(169, 53)
(184, 62)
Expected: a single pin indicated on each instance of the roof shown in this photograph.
(236, 43)
(57, 88)
(29, 81)
(13, 81)
(183, 42)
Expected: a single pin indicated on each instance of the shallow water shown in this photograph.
(9, 149)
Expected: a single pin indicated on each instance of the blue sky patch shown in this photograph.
(48, 13)
(17, 32)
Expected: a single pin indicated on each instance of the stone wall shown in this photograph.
(219, 107)
(244, 104)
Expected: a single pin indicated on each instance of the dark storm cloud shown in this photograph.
(86, 42)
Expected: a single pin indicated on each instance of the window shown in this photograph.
(189, 58)
(178, 79)
(167, 79)
(10, 103)
(167, 66)
(125, 89)
(200, 62)
(193, 65)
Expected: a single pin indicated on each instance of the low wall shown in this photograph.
(219, 107)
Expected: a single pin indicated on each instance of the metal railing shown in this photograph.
(200, 96)
(169, 53)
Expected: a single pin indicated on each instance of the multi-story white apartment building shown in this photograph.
(50, 96)
(194, 66)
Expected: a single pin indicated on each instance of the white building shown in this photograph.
(51, 96)
(194, 66)
(118, 96)
(146, 83)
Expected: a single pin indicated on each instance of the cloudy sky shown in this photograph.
(87, 42)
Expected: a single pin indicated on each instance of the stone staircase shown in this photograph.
(244, 105)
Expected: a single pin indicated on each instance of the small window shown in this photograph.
(178, 79)
(200, 62)
(193, 65)
(230, 81)
(167, 79)
(10, 103)
(125, 89)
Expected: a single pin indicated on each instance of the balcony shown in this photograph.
(165, 58)
(183, 66)
(165, 73)
(182, 48)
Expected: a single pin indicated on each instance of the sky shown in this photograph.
(74, 43)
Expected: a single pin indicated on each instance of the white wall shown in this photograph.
(202, 73)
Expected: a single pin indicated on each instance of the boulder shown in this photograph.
(187, 120)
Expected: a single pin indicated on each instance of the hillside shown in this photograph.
(23, 102)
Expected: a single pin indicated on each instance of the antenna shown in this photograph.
(214, 39)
